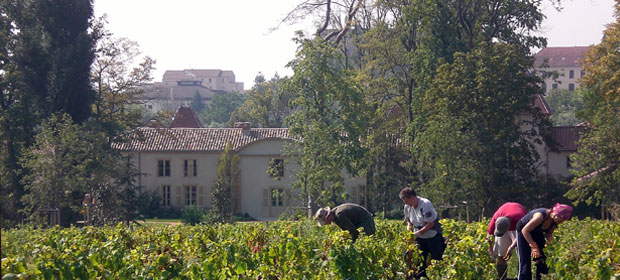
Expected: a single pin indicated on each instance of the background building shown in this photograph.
(179, 87)
(561, 67)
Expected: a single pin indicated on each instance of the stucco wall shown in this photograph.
(563, 79)
(146, 162)
(256, 183)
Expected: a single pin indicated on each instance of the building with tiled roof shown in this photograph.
(557, 157)
(214, 79)
(180, 164)
(179, 88)
(185, 117)
(560, 67)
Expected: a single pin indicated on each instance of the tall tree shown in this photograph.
(117, 83)
(267, 104)
(58, 165)
(597, 161)
(330, 116)
(226, 192)
(46, 51)
(55, 50)
(474, 143)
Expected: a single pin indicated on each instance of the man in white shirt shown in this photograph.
(423, 220)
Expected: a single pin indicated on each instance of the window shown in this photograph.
(276, 167)
(277, 197)
(571, 74)
(165, 193)
(582, 73)
(568, 161)
(190, 195)
(543, 74)
(189, 168)
(163, 168)
(554, 86)
(571, 87)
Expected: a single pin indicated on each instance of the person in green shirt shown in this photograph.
(347, 216)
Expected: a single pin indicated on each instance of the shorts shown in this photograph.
(502, 243)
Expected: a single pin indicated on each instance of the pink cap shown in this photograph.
(562, 211)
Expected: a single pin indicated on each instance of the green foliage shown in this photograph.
(226, 190)
(330, 116)
(565, 105)
(46, 49)
(192, 215)
(117, 80)
(54, 51)
(197, 104)
(288, 250)
(58, 164)
(219, 110)
(470, 143)
(597, 161)
(267, 104)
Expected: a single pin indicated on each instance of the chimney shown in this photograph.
(245, 126)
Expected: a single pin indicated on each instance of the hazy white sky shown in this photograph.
(234, 34)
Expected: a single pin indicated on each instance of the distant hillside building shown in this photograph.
(213, 79)
(178, 88)
(563, 67)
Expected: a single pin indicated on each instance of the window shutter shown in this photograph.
(266, 197)
(179, 196)
(201, 194)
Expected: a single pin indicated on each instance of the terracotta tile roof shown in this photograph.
(561, 56)
(197, 139)
(185, 117)
(541, 104)
(566, 137)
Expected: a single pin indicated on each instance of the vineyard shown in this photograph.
(586, 249)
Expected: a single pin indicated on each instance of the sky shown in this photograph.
(236, 34)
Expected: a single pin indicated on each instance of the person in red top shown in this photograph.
(503, 228)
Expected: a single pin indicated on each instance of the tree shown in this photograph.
(197, 104)
(218, 112)
(267, 104)
(54, 51)
(226, 192)
(472, 143)
(117, 84)
(597, 161)
(565, 105)
(46, 51)
(58, 165)
(330, 116)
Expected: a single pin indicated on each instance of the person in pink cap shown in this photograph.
(535, 230)
(502, 235)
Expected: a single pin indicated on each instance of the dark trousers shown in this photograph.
(433, 246)
(525, 253)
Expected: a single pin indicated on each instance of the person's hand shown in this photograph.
(535, 251)
(409, 227)
(508, 253)
(417, 233)
(491, 252)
